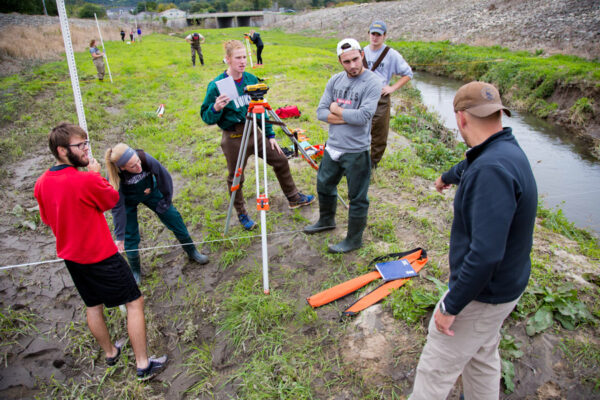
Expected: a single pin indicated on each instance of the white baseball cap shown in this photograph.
(347, 44)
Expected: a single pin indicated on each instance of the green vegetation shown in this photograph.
(561, 304)
(556, 221)
(527, 80)
(15, 324)
(584, 355)
(510, 350)
(271, 346)
(412, 304)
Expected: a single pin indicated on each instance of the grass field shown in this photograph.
(224, 337)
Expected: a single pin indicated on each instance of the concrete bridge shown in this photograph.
(229, 19)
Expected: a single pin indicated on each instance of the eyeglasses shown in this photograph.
(81, 145)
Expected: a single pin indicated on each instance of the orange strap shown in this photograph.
(382, 291)
(345, 288)
(341, 290)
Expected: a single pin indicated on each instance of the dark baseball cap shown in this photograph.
(480, 99)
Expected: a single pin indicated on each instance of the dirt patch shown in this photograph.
(566, 97)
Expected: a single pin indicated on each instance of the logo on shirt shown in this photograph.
(136, 178)
(242, 101)
(345, 96)
(380, 66)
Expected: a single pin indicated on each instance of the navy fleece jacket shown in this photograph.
(494, 215)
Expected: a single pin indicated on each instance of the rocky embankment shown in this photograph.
(555, 26)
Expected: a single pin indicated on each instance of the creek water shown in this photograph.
(567, 175)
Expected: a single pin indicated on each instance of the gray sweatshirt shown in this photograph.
(358, 97)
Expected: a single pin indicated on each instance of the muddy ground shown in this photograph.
(379, 347)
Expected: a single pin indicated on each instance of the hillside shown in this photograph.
(565, 26)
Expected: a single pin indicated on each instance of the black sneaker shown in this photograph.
(155, 365)
(110, 361)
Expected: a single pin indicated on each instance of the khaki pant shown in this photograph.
(230, 144)
(380, 128)
(472, 351)
(99, 63)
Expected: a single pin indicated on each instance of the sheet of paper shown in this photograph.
(227, 86)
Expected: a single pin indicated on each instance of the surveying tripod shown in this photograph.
(258, 106)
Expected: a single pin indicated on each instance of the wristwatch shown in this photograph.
(443, 309)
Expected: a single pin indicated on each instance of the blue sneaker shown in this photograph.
(303, 200)
(246, 222)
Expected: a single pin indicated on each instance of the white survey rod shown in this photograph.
(66, 33)
(248, 50)
(103, 50)
(263, 214)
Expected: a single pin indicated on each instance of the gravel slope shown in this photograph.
(565, 26)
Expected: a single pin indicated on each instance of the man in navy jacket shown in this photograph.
(491, 238)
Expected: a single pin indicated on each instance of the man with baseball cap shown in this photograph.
(347, 105)
(490, 242)
(385, 62)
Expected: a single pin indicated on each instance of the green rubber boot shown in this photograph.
(353, 241)
(327, 206)
(134, 264)
(192, 251)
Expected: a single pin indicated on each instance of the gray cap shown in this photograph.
(378, 27)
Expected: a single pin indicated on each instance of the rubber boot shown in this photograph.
(134, 264)
(327, 206)
(193, 252)
(353, 241)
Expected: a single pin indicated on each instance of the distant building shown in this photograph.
(146, 15)
(119, 12)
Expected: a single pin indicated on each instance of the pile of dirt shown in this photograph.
(555, 26)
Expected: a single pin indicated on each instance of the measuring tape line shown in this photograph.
(158, 247)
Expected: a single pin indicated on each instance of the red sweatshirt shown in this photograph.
(72, 203)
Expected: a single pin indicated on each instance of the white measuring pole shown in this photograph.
(103, 51)
(66, 33)
(248, 49)
(263, 214)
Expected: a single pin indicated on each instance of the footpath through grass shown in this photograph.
(279, 347)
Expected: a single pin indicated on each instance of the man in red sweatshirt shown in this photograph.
(72, 203)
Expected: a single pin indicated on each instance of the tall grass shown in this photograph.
(45, 42)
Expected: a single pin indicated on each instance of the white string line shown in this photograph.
(158, 247)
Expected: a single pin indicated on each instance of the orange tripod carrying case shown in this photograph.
(416, 257)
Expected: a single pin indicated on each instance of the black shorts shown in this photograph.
(109, 282)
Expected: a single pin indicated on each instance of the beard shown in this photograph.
(75, 159)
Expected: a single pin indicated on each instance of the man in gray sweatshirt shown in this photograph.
(347, 105)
